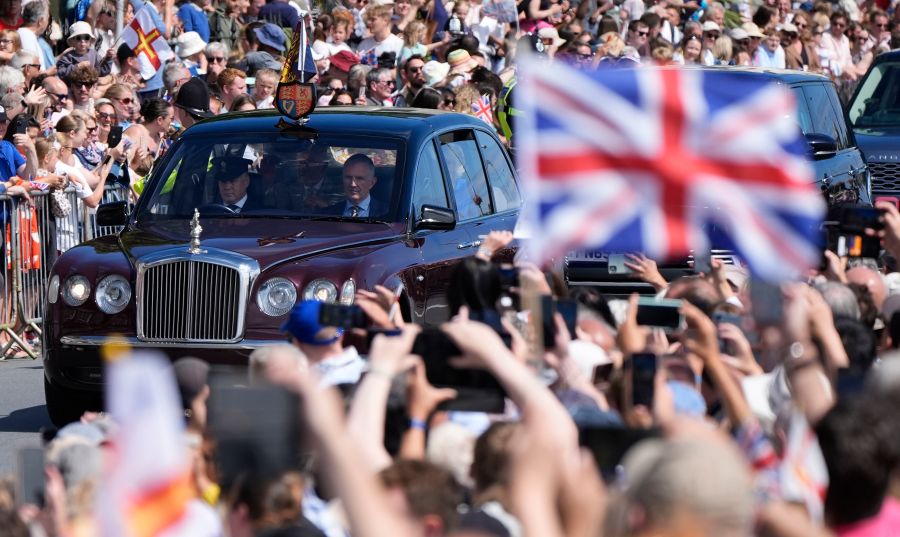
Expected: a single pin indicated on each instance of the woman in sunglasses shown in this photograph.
(81, 39)
(122, 98)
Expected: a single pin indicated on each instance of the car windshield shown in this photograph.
(877, 103)
(278, 175)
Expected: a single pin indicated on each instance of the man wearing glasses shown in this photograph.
(838, 44)
(82, 80)
(413, 73)
(637, 37)
(879, 35)
(81, 39)
(60, 105)
(29, 63)
(379, 87)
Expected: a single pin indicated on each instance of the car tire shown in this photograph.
(65, 405)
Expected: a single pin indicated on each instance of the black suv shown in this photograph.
(839, 165)
(874, 113)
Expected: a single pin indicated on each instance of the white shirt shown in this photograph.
(240, 204)
(764, 58)
(363, 207)
(344, 368)
(268, 102)
(391, 43)
(30, 44)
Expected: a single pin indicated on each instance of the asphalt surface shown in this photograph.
(22, 409)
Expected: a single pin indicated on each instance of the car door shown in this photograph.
(440, 250)
(837, 175)
(849, 152)
(504, 192)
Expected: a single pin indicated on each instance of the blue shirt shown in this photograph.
(194, 20)
(279, 13)
(10, 160)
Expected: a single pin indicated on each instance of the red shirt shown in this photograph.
(4, 26)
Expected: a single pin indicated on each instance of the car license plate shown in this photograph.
(589, 255)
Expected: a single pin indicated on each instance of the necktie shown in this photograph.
(354, 211)
(235, 208)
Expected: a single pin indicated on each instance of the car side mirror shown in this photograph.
(114, 213)
(434, 217)
(821, 146)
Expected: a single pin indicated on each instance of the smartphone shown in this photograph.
(341, 316)
(616, 264)
(768, 303)
(890, 199)
(477, 390)
(548, 324)
(726, 318)
(257, 428)
(855, 220)
(32, 479)
(21, 125)
(568, 308)
(662, 313)
(115, 136)
(602, 373)
(702, 263)
(509, 278)
(609, 444)
(643, 375)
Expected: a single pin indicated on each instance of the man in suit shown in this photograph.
(233, 179)
(358, 178)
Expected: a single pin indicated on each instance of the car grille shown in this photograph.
(191, 300)
(885, 177)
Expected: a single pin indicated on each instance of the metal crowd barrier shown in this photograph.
(32, 239)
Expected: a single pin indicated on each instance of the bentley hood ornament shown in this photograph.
(196, 229)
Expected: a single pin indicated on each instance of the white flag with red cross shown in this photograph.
(148, 44)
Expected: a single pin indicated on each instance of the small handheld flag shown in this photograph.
(296, 96)
(149, 45)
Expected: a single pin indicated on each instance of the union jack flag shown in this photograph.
(482, 109)
(369, 58)
(667, 161)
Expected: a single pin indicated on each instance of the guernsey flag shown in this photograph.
(147, 42)
(147, 488)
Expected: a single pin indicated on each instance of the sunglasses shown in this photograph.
(711, 35)
(61, 96)
(86, 85)
(640, 33)
(126, 100)
(83, 38)
(34, 65)
(388, 82)
(104, 116)
(92, 129)
(584, 56)
(450, 102)
(217, 59)
(882, 26)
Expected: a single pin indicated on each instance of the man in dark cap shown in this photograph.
(192, 102)
(231, 172)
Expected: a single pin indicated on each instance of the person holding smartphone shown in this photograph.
(17, 157)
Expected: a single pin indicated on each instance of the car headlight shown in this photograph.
(76, 290)
(113, 294)
(322, 290)
(348, 292)
(53, 289)
(276, 297)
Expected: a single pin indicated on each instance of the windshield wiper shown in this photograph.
(337, 218)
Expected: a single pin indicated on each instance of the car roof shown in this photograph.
(786, 76)
(345, 119)
(888, 56)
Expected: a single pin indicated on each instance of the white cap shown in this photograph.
(711, 26)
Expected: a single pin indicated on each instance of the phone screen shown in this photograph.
(643, 373)
(659, 313)
(568, 308)
(548, 325)
(341, 316)
(31, 476)
(115, 136)
(768, 303)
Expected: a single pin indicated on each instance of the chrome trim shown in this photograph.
(98, 341)
(635, 283)
(246, 267)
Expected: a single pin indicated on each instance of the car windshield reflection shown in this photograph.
(278, 176)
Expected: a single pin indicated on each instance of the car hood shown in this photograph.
(268, 241)
(879, 143)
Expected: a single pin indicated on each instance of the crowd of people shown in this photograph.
(431, 54)
(758, 418)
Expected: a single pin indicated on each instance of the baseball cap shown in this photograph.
(711, 26)
(230, 167)
(193, 98)
(303, 325)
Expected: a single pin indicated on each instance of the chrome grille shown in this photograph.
(193, 298)
(885, 177)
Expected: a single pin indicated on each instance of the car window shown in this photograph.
(803, 117)
(843, 138)
(503, 182)
(429, 186)
(877, 102)
(821, 111)
(466, 174)
(263, 175)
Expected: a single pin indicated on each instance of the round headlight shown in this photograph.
(76, 290)
(348, 292)
(113, 294)
(53, 289)
(321, 290)
(276, 297)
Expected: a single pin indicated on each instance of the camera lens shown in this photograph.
(613, 269)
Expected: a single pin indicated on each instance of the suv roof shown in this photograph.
(349, 119)
(787, 76)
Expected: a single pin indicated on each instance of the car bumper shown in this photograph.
(76, 362)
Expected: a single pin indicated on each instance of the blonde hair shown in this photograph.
(411, 33)
(613, 45)
(465, 96)
(45, 147)
(722, 49)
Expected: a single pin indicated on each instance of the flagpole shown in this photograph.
(120, 17)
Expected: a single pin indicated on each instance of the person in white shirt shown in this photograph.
(36, 17)
(323, 345)
(381, 40)
(770, 54)
(838, 46)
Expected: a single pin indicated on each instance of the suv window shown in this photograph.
(803, 116)
(429, 186)
(821, 111)
(467, 177)
(843, 139)
(503, 181)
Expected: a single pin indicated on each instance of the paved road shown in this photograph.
(22, 409)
